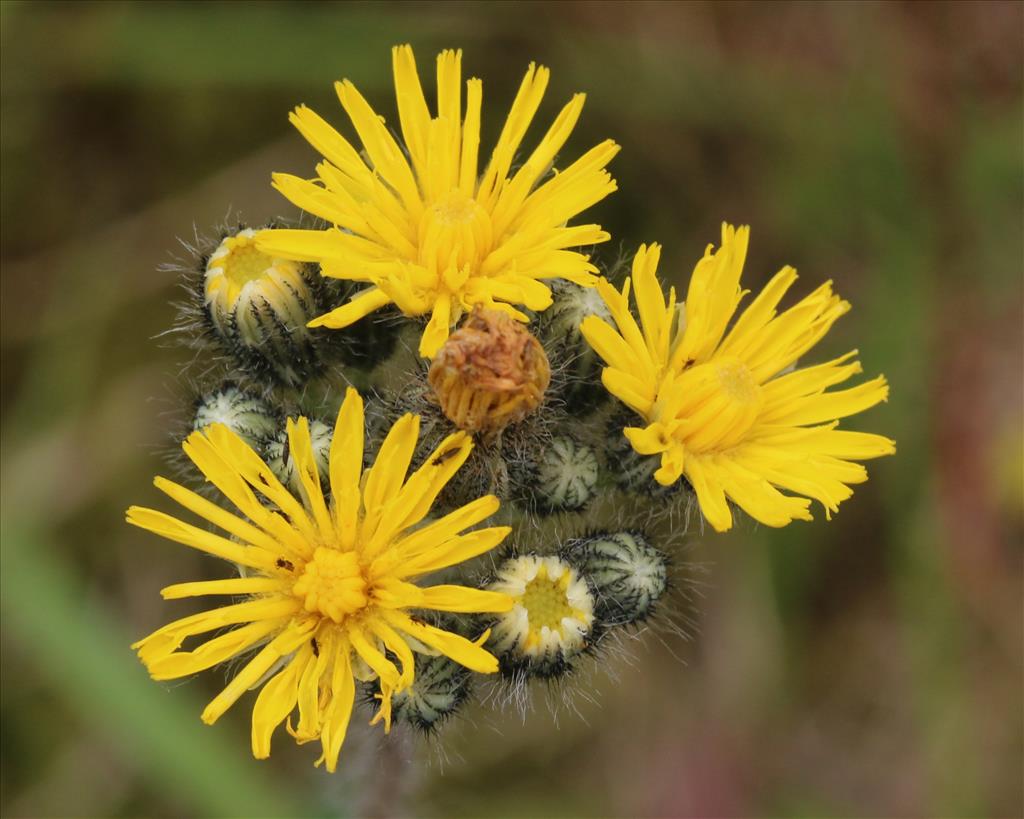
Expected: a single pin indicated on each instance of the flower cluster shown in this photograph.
(559, 417)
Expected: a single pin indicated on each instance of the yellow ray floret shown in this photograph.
(329, 584)
(722, 406)
(419, 223)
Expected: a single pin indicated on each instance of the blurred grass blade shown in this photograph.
(80, 650)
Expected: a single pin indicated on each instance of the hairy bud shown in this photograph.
(259, 307)
(629, 574)
(562, 478)
(245, 414)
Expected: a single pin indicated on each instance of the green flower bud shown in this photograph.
(628, 573)
(441, 686)
(563, 476)
(245, 414)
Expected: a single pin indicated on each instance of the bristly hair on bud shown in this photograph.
(490, 373)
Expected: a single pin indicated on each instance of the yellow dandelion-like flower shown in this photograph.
(418, 222)
(328, 586)
(724, 406)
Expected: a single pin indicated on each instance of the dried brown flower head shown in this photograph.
(490, 373)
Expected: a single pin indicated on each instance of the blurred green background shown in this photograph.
(871, 666)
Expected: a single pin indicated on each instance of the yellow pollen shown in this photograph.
(546, 601)
(332, 584)
(455, 234)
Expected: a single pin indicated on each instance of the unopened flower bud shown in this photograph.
(563, 476)
(490, 373)
(441, 685)
(259, 306)
(245, 414)
(558, 327)
(627, 572)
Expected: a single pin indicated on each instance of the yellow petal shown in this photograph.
(171, 528)
(649, 440)
(650, 302)
(385, 155)
(236, 585)
(372, 655)
(523, 108)
(631, 390)
(285, 643)
(260, 477)
(276, 701)
(436, 332)
(169, 638)
(470, 138)
(757, 497)
(456, 550)
(232, 524)
(710, 494)
(345, 464)
(463, 599)
(443, 529)
(610, 345)
(673, 463)
(301, 449)
(412, 106)
(361, 305)
(339, 709)
(830, 406)
(463, 651)
(212, 652)
(389, 469)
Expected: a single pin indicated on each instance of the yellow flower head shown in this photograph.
(328, 586)
(727, 409)
(418, 222)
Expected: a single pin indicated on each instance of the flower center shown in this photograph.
(332, 584)
(245, 263)
(455, 235)
(545, 600)
(553, 615)
(720, 403)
